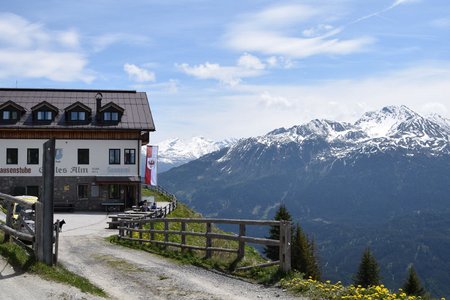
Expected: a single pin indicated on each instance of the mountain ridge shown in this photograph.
(174, 152)
(350, 175)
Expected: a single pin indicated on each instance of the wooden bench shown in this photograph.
(114, 223)
(63, 207)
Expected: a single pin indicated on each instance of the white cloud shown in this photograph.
(279, 16)
(317, 30)
(104, 41)
(69, 38)
(423, 88)
(138, 74)
(249, 110)
(270, 32)
(399, 2)
(279, 62)
(30, 50)
(246, 66)
(270, 100)
(16, 31)
(249, 61)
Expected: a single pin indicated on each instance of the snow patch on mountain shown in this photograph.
(380, 123)
(175, 152)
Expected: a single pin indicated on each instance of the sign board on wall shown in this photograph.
(66, 158)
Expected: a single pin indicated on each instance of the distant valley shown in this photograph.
(383, 182)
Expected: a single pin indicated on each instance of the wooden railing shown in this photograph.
(11, 226)
(20, 232)
(135, 230)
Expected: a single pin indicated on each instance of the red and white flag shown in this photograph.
(151, 165)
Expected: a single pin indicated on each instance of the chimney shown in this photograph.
(98, 98)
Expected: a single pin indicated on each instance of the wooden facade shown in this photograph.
(92, 134)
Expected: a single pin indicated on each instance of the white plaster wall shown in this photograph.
(67, 165)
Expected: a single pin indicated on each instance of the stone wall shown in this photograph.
(66, 190)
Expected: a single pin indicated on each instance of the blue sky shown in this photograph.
(236, 68)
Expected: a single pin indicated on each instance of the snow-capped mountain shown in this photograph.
(394, 134)
(382, 174)
(390, 128)
(175, 152)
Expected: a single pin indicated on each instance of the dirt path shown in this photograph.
(130, 274)
(15, 285)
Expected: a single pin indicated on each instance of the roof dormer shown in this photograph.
(110, 114)
(10, 112)
(78, 113)
(44, 112)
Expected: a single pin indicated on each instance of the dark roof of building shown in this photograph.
(135, 105)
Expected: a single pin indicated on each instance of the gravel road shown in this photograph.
(131, 274)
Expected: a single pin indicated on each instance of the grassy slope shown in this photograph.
(222, 261)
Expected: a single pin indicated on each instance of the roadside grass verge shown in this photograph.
(326, 290)
(220, 261)
(158, 196)
(21, 260)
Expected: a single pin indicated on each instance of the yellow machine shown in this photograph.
(18, 208)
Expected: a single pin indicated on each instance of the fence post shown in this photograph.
(48, 177)
(121, 224)
(38, 230)
(55, 257)
(183, 236)
(152, 234)
(9, 218)
(166, 234)
(285, 246)
(140, 232)
(208, 240)
(130, 227)
(241, 250)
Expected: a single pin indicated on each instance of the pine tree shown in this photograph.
(412, 286)
(299, 250)
(282, 213)
(368, 272)
(313, 263)
(304, 254)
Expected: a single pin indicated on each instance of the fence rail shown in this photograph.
(129, 229)
(11, 225)
(18, 229)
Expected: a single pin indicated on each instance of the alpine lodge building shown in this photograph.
(98, 135)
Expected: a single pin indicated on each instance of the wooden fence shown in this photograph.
(11, 226)
(127, 228)
(20, 231)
